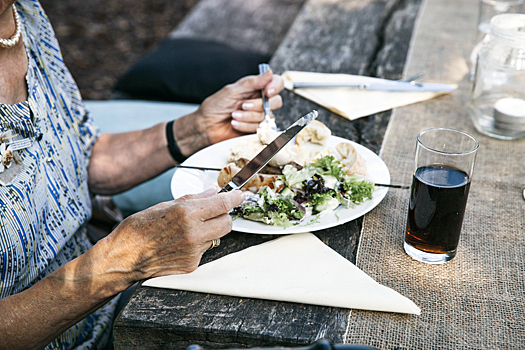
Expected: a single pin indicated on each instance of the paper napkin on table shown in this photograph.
(295, 268)
(352, 103)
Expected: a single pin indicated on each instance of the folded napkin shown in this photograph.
(295, 268)
(352, 103)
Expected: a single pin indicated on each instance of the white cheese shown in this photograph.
(332, 204)
(329, 181)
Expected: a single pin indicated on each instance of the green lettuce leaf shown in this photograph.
(357, 190)
(294, 178)
(328, 165)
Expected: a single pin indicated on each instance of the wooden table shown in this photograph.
(368, 37)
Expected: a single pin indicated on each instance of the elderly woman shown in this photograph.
(57, 291)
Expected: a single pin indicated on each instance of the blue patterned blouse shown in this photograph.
(44, 197)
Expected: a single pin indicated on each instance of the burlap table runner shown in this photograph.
(477, 301)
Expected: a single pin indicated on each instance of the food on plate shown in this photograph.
(246, 150)
(304, 179)
(352, 161)
(310, 145)
(266, 177)
(268, 169)
(267, 131)
(320, 186)
(297, 155)
(255, 183)
(315, 132)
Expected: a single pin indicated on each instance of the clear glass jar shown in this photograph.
(497, 105)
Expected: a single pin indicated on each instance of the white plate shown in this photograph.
(190, 181)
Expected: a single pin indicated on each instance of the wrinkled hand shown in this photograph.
(233, 111)
(171, 237)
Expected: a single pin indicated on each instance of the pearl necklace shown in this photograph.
(12, 41)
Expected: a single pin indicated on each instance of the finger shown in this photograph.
(256, 104)
(275, 86)
(251, 83)
(217, 227)
(219, 204)
(276, 102)
(248, 117)
(208, 193)
(245, 128)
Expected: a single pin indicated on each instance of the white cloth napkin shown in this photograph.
(352, 103)
(295, 268)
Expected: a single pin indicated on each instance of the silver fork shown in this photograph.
(263, 67)
(20, 144)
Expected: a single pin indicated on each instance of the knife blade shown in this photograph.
(260, 160)
(384, 85)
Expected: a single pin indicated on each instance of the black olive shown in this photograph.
(273, 207)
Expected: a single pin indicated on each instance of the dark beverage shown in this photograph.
(437, 205)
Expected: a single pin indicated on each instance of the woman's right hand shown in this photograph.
(171, 237)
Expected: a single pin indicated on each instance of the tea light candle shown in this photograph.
(509, 113)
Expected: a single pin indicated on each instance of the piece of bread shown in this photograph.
(246, 149)
(267, 131)
(352, 161)
(315, 132)
(328, 151)
(255, 183)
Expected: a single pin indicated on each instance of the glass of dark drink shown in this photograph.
(442, 173)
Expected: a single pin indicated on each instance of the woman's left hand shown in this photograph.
(233, 111)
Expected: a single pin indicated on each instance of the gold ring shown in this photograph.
(215, 243)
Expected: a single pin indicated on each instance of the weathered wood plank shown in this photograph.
(358, 37)
(354, 37)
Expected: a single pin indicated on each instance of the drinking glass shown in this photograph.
(444, 163)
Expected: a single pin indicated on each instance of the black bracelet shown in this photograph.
(172, 145)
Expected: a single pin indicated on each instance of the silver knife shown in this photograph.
(385, 85)
(260, 160)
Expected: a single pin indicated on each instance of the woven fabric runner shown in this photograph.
(476, 301)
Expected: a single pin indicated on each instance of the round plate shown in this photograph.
(190, 181)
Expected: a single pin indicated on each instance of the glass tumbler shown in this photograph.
(444, 163)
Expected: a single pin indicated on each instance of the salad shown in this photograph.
(318, 187)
